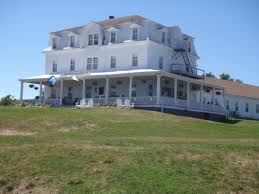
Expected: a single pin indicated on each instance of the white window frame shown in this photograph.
(89, 63)
(132, 33)
(160, 62)
(95, 39)
(113, 62)
(54, 43)
(72, 40)
(115, 37)
(90, 39)
(95, 63)
(72, 64)
(247, 107)
(163, 38)
(134, 61)
(54, 66)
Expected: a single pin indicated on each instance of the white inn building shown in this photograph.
(135, 58)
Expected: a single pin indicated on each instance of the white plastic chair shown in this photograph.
(128, 104)
(119, 103)
(90, 103)
(81, 104)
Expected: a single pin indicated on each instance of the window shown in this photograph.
(54, 67)
(113, 62)
(89, 63)
(113, 37)
(95, 39)
(227, 104)
(160, 62)
(150, 90)
(134, 33)
(134, 60)
(95, 63)
(236, 106)
(257, 108)
(72, 65)
(163, 37)
(133, 91)
(189, 47)
(90, 39)
(113, 91)
(72, 41)
(54, 43)
(101, 91)
(53, 93)
(247, 107)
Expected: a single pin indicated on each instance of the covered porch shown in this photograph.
(144, 88)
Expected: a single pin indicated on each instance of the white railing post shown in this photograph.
(188, 95)
(61, 93)
(106, 90)
(201, 97)
(158, 90)
(83, 89)
(21, 91)
(40, 93)
(175, 91)
(130, 88)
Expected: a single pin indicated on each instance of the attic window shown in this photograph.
(134, 34)
(163, 37)
(54, 43)
(72, 41)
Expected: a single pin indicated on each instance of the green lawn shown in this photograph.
(106, 150)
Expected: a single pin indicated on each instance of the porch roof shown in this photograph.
(115, 74)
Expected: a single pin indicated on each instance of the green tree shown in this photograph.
(239, 81)
(225, 76)
(210, 74)
(7, 100)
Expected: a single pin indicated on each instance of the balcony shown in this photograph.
(188, 71)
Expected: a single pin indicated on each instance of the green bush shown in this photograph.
(7, 101)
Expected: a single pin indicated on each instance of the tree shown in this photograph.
(225, 76)
(239, 81)
(7, 100)
(210, 74)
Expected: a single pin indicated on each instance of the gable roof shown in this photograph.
(236, 89)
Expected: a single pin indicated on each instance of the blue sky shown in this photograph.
(226, 32)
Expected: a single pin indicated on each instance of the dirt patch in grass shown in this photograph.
(29, 186)
(7, 132)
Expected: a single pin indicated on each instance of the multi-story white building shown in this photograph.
(128, 57)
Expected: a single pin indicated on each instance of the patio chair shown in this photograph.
(81, 103)
(90, 103)
(127, 103)
(119, 103)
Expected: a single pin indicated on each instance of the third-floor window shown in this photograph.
(72, 41)
(113, 62)
(54, 43)
(134, 33)
(54, 66)
(113, 37)
(134, 60)
(72, 65)
(163, 37)
(93, 39)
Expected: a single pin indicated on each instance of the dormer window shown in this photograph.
(72, 65)
(134, 34)
(93, 39)
(72, 41)
(113, 37)
(163, 37)
(54, 43)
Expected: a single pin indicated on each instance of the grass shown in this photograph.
(106, 150)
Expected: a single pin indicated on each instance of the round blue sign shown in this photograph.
(52, 81)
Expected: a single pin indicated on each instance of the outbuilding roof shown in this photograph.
(236, 89)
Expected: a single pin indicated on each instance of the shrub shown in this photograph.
(7, 101)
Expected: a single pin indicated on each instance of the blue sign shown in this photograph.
(52, 81)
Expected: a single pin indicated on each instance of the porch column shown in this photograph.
(40, 93)
(188, 95)
(61, 93)
(130, 87)
(106, 90)
(158, 90)
(21, 91)
(83, 89)
(201, 98)
(175, 90)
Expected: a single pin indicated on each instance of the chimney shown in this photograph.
(111, 17)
